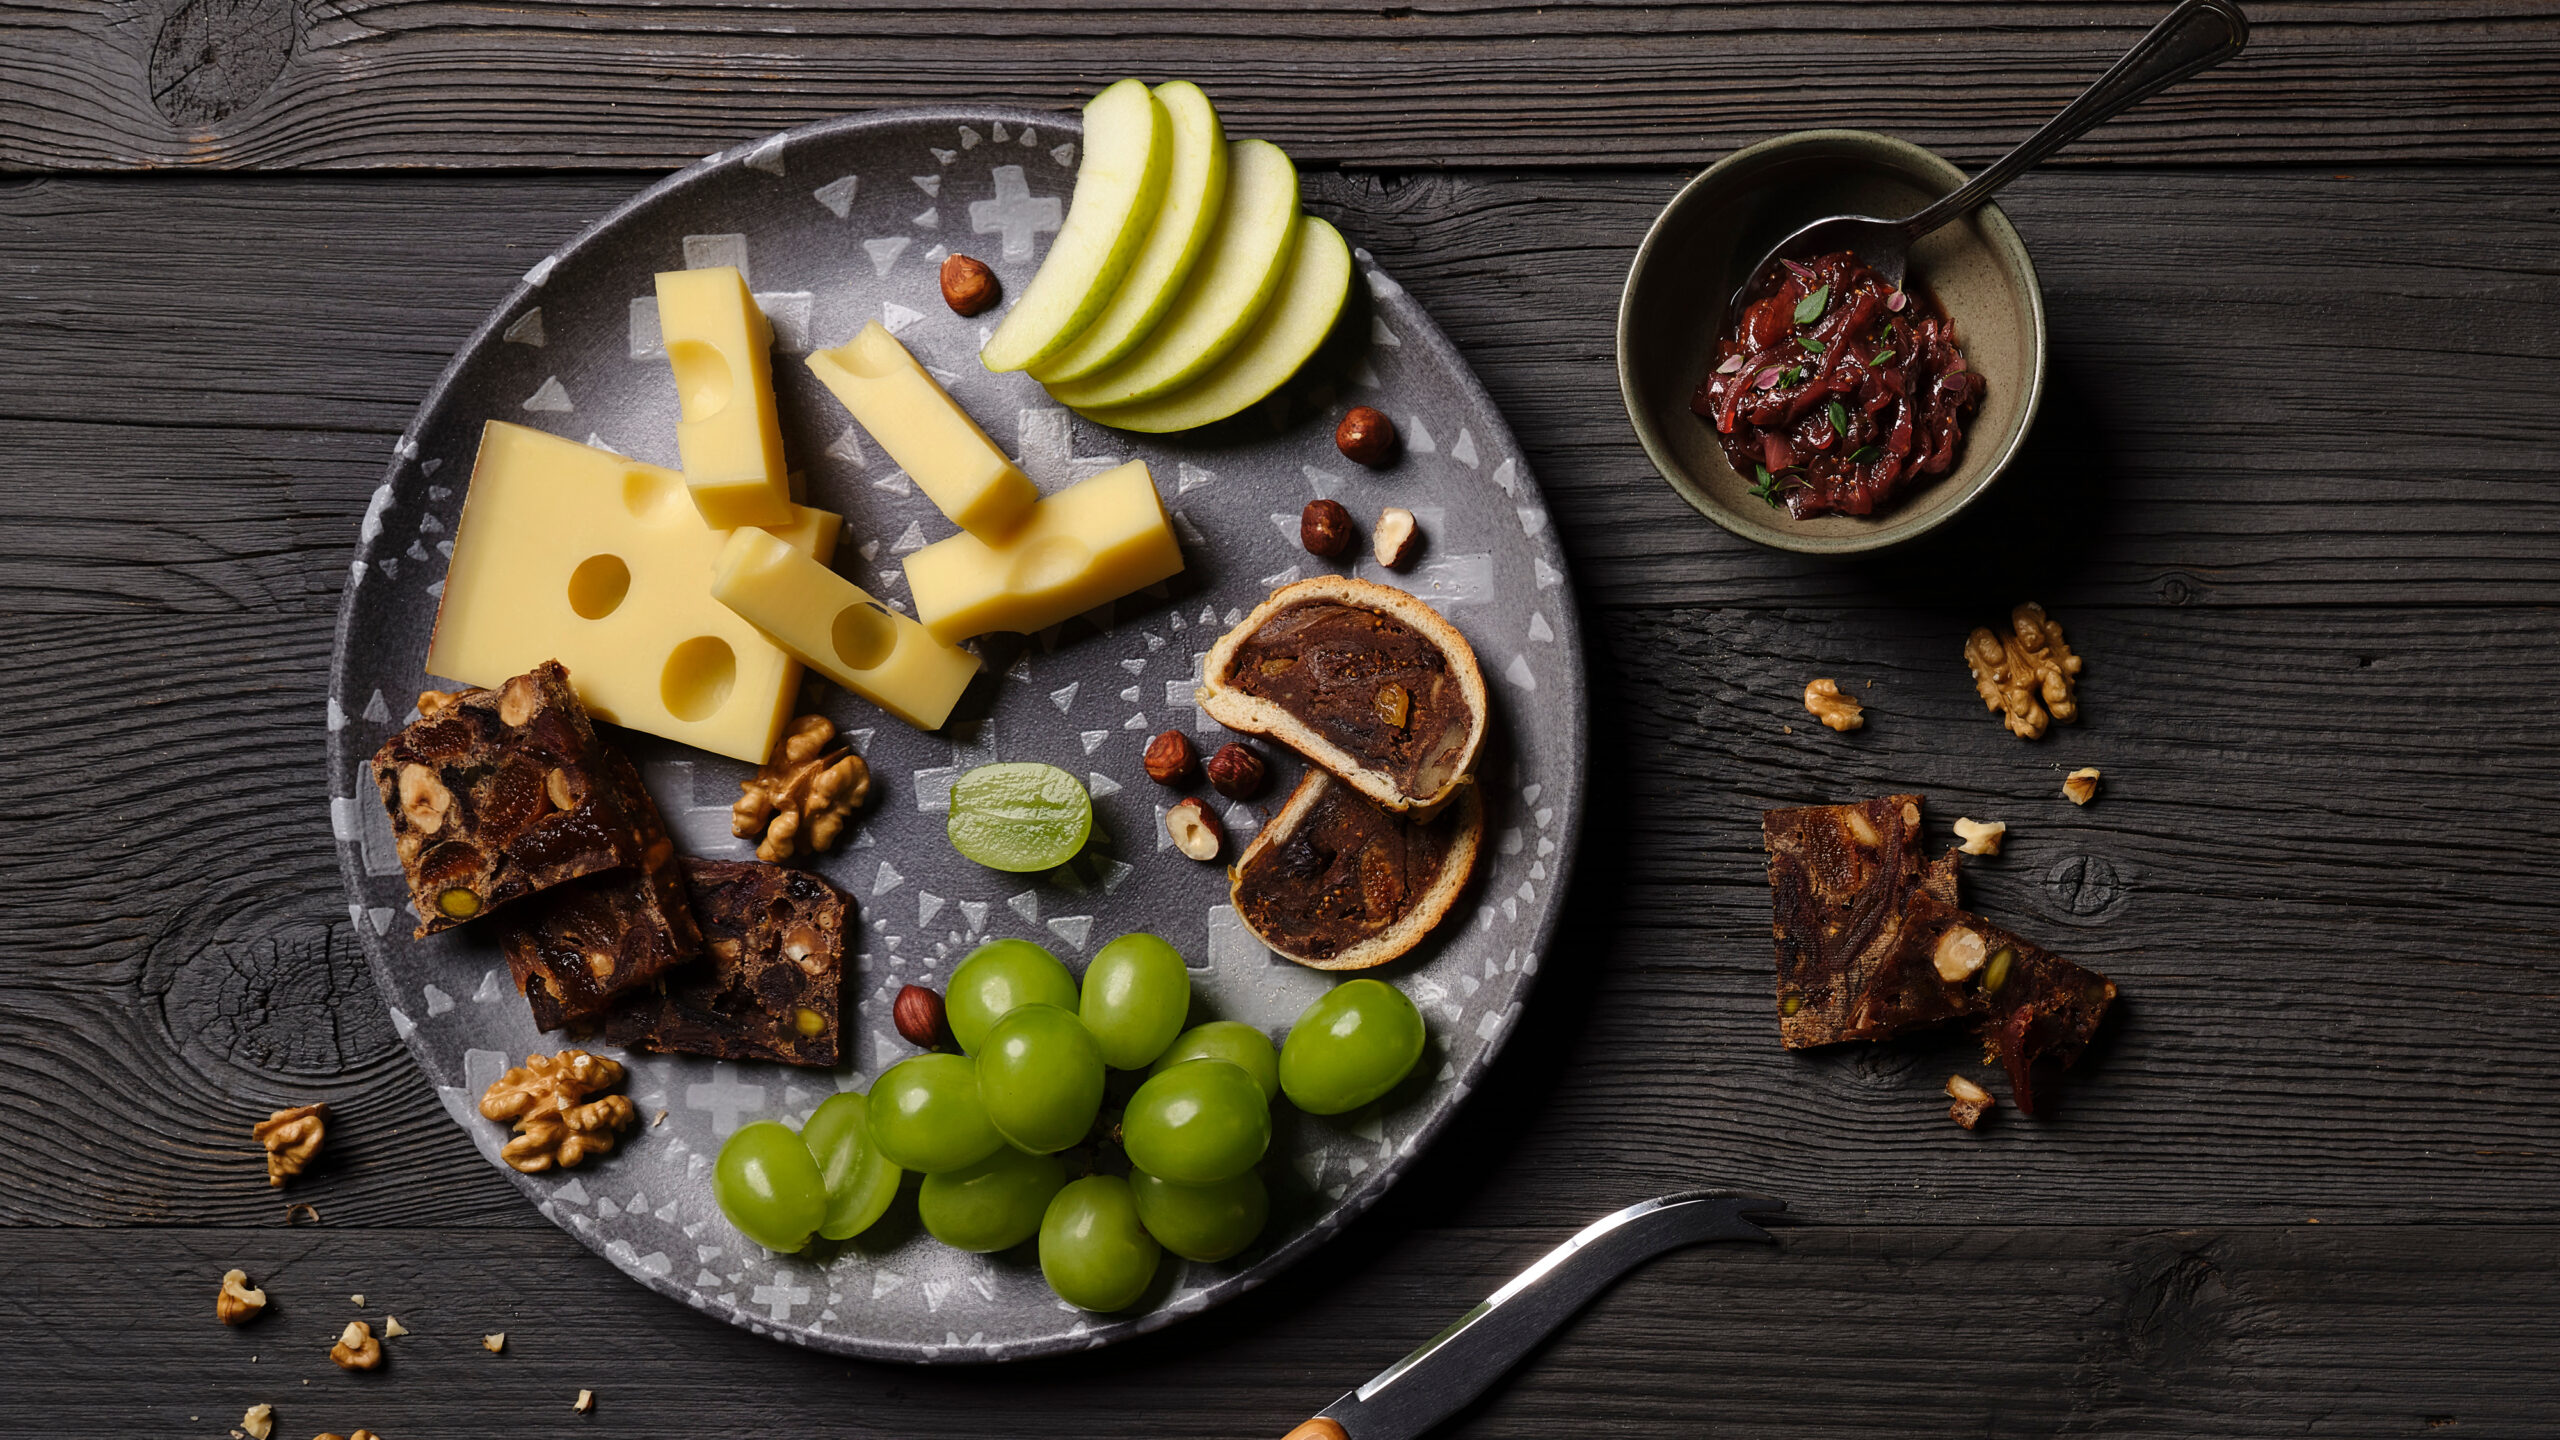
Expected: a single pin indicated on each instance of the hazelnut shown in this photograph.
(1960, 952)
(356, 1348)
(1366, 436)
(2081, 786)
(1396, 537)
(968, 286)
(1324, 527)
(1171, 760)
(238, 1304)
(1981, 837)
(1194, 828)
(1970, 1101)
(919, 1017)
(1235, 771)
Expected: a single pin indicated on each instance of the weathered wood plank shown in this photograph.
(1840, 1330)
(555, 83)
(2337, 954)
(2265, 389)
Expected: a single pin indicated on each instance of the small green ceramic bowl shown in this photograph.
(1686, 271)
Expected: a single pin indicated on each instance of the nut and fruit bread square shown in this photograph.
(1838, 879)
(575, 948)
(771, 986)
(2028, 1004)
(495, 795)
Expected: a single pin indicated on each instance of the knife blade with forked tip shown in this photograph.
(1458, 1364)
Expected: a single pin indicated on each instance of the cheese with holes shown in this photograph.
(567, 552)
(927, 434)
(1092, 542)
(730, 437)
(836, 629)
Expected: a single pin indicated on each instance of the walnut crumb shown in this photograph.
(292, 1138)
(559, 1117)
(1840, 712)
(2028, 674)
(258, 1421)
(392, 1329)
(1981, 837)
(801, 798)
(358, 1298)
(585, 1402)
(494, 1343)
(658, 1119)
(2081, 786)
(238, 1303)
(1970, 1101)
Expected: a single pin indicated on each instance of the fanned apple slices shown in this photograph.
(1128, 156)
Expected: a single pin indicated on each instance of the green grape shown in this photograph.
(1202, 1222)
(1020, 817)
(1136, 995)
(768, 1185)
(1350, 1047)
(1095, 1253)
(995, 1204)
(996, 977)
(1200, 1121)
(860, 1180)
(925, 1115)
(1232, 1041)
(1040, 1077)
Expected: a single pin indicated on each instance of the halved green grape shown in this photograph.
(996, 977)
(860, 1180)
(1202, 1222)
(1092, 1248)
(995, 1204)
(1136, 996)
(1232, 1041)
(767, 1183)
(1040, 1077)
(925, 1115)
(1350, 1047)
(1200, 1121)
(1019, 816)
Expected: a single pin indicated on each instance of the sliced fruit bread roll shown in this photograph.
(1337, 882)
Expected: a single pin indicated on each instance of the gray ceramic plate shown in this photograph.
(835, 224)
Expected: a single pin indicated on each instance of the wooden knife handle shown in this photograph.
(1319, 1429)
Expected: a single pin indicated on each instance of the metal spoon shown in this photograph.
(2196, 36)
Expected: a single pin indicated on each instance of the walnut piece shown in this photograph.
(238, 1304)
(585, 1402)
(2028, 674)
(1832, 708)
(432, 703)
(292, 1138)
(494, 1343)
(803, 795)
(392, 1329)
(356, 1348)
(1981, 837)
(259, 1421)
(2081, 786)
(559, 1118)
(1971, 1101)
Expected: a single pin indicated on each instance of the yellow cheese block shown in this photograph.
(839, 631)
(576, 554)
(1094, 541)
(730, 437)
(927, 434)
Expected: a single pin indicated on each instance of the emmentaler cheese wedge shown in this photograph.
(1339, 883)
(1363, 679)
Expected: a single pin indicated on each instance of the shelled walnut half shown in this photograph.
(1840, 712)
(292, 1139)
(801, 798)
(560, 1110)
(238, 1302)
(2028, 675)
(356, 1348)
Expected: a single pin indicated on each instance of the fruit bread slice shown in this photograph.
(575, 948)
(1363, 679)
(2028, 1003)
(772, 985)
(500, 794)
(1839, 876)
(1337, 882)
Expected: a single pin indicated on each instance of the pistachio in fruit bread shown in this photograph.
(994, 980)
(834, 627)
(1195, 194)
(1288, 333)
(1087, 545)
(1128, 155)
(1233, 283)
(719, 345)
(1019, 816)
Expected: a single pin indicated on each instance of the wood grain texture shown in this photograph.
(562, 83)
(2348, 429)
(1839, 1330)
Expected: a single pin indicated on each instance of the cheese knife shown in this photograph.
(1461, 1362)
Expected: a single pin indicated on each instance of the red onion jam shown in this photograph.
(1837, 391)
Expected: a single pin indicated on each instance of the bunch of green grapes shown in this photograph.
(985, 1127)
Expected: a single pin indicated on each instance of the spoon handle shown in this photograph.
(2197, 35)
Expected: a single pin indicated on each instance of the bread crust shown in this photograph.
(1457, 867)
(1255, 715)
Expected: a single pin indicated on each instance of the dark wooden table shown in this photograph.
(2291, 491)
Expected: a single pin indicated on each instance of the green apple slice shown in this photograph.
(1227, 289)
(1282, 339)
(1193, 196)
(1128, 154)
